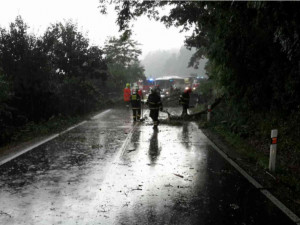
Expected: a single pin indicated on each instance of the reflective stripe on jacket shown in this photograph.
(135, 100)
(154, 101)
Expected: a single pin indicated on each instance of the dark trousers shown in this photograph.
(136, 113)
(154, 116)
(184, 110)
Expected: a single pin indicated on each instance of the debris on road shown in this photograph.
(131, 150)
(137, 189)
(178, 175)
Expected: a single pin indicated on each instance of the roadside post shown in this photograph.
(208, 112)
(273, 150)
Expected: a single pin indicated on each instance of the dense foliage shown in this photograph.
(253, 47)
(58, 73)
(123, 63)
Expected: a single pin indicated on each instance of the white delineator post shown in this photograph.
(208, 112)
(273, 150)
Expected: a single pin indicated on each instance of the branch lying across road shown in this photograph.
(194, 116)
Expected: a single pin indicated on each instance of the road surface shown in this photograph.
(110, 170)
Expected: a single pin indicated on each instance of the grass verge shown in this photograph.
(32, 132)
(283, 184)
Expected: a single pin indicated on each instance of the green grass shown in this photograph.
(247, 151)
(247, 134)
(32, 130)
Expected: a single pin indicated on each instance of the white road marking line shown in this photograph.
(21, 152)
(100, 114)
(114, 164)
(29, 148)
(125, 144)
(265, 192)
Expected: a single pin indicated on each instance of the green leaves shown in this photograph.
(37, 72)
(122, 58)
(254, 46)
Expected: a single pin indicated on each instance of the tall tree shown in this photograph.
(70, 53)
(25, 64)
(252, 46)
(123, 63)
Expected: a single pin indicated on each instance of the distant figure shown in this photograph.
(171, 89)
(127, 93)
(155, 104)
(184, 100)
(135, 100)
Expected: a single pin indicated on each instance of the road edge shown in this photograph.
(22, 150)
(256, 184)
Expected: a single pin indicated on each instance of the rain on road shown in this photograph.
(111, 171)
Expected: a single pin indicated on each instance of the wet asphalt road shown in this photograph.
(111, 171)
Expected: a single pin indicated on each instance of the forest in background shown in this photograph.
(59, 74)
(172, 62)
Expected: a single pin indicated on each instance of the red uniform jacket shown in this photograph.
(127, 94)
(140, 93)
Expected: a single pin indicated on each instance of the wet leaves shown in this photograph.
(234, 206)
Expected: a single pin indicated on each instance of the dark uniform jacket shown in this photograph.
(184, 99)
(154, 101)
(135, 100)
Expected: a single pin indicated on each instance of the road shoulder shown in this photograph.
(267, 180)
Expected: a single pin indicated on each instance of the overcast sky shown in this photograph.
(38, 14)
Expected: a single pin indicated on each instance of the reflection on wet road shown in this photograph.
(89, 176)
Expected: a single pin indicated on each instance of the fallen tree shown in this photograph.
(194, 116)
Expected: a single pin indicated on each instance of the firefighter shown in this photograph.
(155, 104)
(135, 100)
(127, 93)
(184, 100)
(140, 92)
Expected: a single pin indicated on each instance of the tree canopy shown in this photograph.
(252, 47)
(124, 66)
(43, 76)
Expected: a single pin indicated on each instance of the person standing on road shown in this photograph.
(135, 100)
(184, 100)
(127, 93)
(155, 104)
